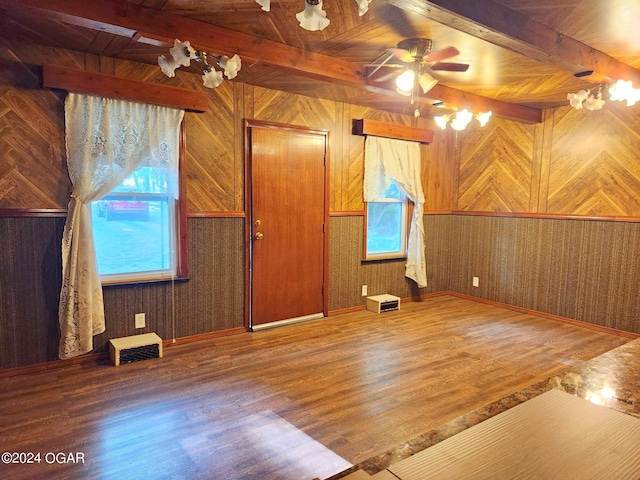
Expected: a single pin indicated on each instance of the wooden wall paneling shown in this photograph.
(212, 169)
(541, 161)
(239, 102)
(594, 162)
(439, 171)
(293, 109)
(339, 145)
(496, 166)
(33, 171)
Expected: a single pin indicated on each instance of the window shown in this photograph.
(136, 228)
(386, 221)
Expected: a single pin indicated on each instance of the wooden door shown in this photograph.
(287, 223)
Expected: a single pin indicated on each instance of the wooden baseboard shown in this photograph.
(203, 336)
(527, 311)
(88, 359)
(102, 358)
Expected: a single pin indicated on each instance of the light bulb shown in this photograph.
(405, 81)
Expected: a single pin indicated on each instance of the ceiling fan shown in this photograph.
(417, 57)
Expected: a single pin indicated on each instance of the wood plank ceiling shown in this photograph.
(523, 54)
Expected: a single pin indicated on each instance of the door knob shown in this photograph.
(258, 236)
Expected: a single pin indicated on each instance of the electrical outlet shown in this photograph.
(364, 290)
(476, 281)
(140, 320)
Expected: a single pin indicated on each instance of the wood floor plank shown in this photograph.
(295, 402)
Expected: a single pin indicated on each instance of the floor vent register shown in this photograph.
(135, 348)
(383, 303)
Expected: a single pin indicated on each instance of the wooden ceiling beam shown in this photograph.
(507, 28)
(125, 18)
(129, 20)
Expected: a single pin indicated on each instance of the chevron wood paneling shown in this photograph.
(33, 170)
(595, 167)
(496, 167)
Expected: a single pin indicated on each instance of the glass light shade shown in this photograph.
(265, 4)
(427, 82)
(576, 99)
(441, 121)
(483, 117)
(363, 6)
(461, 120)
(168, 67)
(405, 80)
(633, 97)
(231, 65)
(212, 78)
(620, 90)
(594, 102)
(182, 52)
(313, 18)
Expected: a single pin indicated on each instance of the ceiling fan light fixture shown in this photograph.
(426, 81)
(313, 18)
(405, 81)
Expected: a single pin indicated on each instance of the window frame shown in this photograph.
(180, 225)
(406, 226)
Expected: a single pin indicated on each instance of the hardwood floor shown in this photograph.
(296, 402)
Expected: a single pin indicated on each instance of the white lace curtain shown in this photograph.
(106, 141)
(386, 159)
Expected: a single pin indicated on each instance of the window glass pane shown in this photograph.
(393, 191)
(134, 228)
(144, 180)
(384, 227)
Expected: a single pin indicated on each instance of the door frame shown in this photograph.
(248, 207)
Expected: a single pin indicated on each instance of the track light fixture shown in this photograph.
(592, 100)
(460, 120)
(181, 55)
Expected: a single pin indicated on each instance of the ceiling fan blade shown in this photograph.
(386, 77)
(450, 67)
(402, 54)
(388, 57)
(442, 54)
